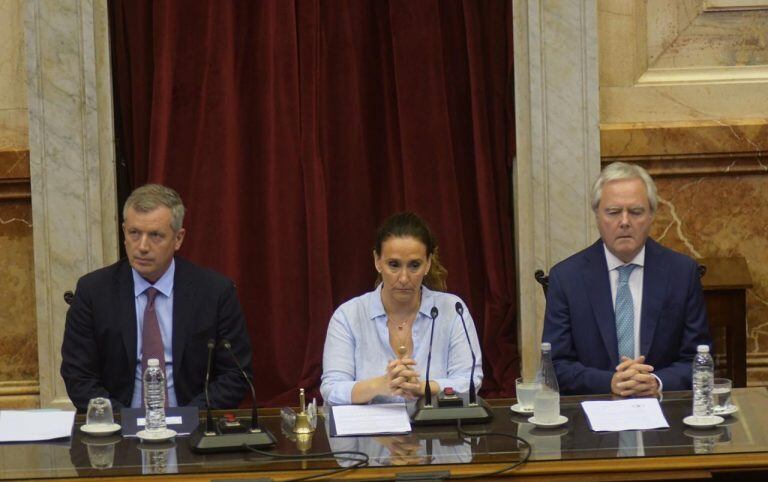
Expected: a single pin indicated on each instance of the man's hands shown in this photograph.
(633, 379)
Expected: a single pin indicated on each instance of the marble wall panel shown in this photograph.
(19, 387)
(13, 75)
(72, 164)
(18, 338)
(556, 119)
(724, 215)
(667, 62)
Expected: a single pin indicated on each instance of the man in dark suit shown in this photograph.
(625, 315)
(154, 305)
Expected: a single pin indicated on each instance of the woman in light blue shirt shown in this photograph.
(377, 344)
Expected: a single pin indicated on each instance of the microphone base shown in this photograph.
(450, 415)
(203, 443)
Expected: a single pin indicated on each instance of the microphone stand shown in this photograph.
(472, 393)
(209, 430)
(427, 387)
(240, 438)
(466, 409)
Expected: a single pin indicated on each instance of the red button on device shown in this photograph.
(449, 391)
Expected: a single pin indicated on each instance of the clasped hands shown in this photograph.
(633, 378)
(401, 379)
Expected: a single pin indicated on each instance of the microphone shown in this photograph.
(450, 407)
(427, 388)
(226, 437)
(472, 394)
(208, 417)
(254, 413)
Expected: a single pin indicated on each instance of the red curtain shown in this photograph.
(293, 128)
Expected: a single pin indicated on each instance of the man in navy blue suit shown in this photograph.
(625, 315)
(154, 305)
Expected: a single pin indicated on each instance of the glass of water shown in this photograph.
(721, 395)
(546, 406)
(99, 412)
(526, 393)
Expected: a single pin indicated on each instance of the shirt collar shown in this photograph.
(376, 307)
(164, 285)
(614, 262)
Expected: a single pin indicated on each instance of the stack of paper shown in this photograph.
(630, 414)
(35, 425)
(384, 418)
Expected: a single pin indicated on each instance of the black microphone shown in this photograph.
(208, 417)
(472, 394)
(451, 409)
(427, 387)
(212, 439)
(254, 413)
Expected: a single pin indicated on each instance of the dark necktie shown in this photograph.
(152, 339)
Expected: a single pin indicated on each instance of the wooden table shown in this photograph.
(725, 284)
(737, 450)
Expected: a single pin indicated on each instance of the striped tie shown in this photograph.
(625, 313)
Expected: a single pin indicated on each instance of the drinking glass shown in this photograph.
(526, 393)
(721, 395)
(99, 412)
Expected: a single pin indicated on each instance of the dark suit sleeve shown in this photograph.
(80, 362)
(695, 331)
(573, 377)
(227, 386)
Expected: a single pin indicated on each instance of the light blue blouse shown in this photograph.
(357, 345)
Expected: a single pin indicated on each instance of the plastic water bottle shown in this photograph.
(154, 396)
(703, 379)
(546, 405)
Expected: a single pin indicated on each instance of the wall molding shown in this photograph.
(698, 165)
(15, 189)
(19, 387)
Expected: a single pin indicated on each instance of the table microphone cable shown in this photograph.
(338, 455)
(462, 434)
(520, 462)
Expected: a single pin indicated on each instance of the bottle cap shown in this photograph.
(703, 348)
(546, 346)
(153, 362)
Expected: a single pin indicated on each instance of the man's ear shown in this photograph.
(179, 238)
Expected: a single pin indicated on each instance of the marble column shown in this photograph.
(558, 145)
(72, 163)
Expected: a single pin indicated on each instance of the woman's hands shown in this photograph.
(399, 380)
(402, 379)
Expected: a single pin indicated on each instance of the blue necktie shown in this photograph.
(625, 313)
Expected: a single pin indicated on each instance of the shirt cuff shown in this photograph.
(661, 384)
(340, 393)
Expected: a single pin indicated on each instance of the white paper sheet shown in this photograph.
(384, 418)
(34, 425)
(629, 414)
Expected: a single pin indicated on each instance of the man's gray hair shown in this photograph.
(619, 171)
(151, 196)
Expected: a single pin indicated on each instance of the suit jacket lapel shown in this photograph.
(127, 311)
(598, 286)
(183, 295)
(655, 274)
